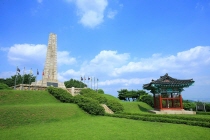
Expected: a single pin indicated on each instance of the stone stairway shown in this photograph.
(107, 110)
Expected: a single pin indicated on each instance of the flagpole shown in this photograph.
(80, 82)
(35, 79)
(94, 83)
(29, 77)
(91, 82)
(15, 79)
(30, 74)
(97, 85)
(23, 77)
(42, 77)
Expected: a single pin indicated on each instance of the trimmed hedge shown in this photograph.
(4, 86)
(89, 93)
(161, 119)
(89, 105)
(203, 113)
(115, 106)
(170, 117)
(61, 94)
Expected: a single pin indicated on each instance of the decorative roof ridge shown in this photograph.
(167, 77)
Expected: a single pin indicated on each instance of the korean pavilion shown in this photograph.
(167, 92)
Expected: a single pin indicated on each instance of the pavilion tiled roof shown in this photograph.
(166, 80)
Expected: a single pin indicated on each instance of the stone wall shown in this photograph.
(73, 91)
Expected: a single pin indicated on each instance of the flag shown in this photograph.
(18, 70)
(81, 79)
(88, 78)
(37, 73)
(43, 72)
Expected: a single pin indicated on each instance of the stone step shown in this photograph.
(107, 109)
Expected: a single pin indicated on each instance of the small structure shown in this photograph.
(49, 75)
(167, 92)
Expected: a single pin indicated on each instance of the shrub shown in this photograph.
(89, 93)
(115, 106)
(61, 94)
(189, 105)
(159, 118)
(207, 106)
(100, 91)
(148, 99)
(89, 105)
(4, 86)
(202, 113)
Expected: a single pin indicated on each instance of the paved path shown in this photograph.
(107, 110)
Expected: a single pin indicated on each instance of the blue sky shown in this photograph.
(124, 44)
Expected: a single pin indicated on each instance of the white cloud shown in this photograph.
(65, 59)
(125, 82)
(112, 14)
(90, 11)
(30, 53)
(64, 76)
(105, 62)
(26, 53)
(70, 72)
(39, 1)
(102, 64)
(183, 61)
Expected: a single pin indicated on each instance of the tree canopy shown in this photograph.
(125, 94)
(28, 79)
(74, 83)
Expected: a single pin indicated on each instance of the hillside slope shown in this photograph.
(30, 107)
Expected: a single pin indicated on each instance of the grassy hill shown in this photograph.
(136, 107)
(38, 115)
(18, 97)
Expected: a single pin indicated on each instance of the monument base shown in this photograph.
(182, 111)
(48, 84)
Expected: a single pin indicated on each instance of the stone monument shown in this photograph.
(49, 76)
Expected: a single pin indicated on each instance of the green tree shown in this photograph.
(100, 91)
(28, 79)
(74, 83)
(147, 99)
(4, 86)
(122, 94)
(127, 95)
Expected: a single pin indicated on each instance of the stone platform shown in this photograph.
(182, 111)
(44, 83)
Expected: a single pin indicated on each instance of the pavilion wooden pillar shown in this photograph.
(180, 101)
(160, 101)
(154, 101)
(172, 100)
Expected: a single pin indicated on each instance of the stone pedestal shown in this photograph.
(49, 77)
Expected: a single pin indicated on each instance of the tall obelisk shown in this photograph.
(50, 69)
(49, 77)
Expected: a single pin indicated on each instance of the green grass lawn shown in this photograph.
(37, 115)
(136, 107)
(18, 97)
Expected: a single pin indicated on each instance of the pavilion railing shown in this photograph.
(168, 103)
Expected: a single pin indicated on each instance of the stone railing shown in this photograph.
(73, 91)
(29, 87)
